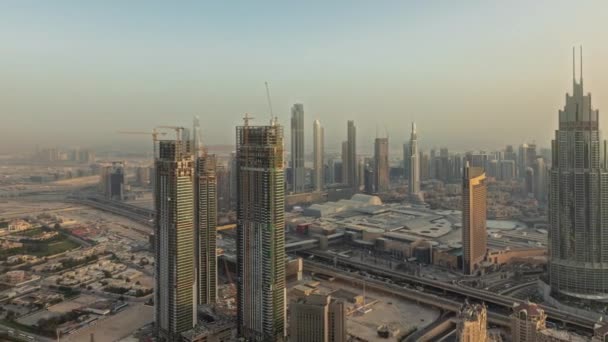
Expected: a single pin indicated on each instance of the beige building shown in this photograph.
(472, 323)
(600, 331)
(474, 235)
(317, 318)
(526, 322)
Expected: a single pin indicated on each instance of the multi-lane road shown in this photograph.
(496, 302)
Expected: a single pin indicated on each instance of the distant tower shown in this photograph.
(474, 234)
(205, 211)
(174, 297)
(578, 202)
(197, 143)
(473, 323)
(381, 168)
(351, 167)
(414, 180)
(297, 148)
(345, 164)
(318, 156)
(406, 161)
(260, 232)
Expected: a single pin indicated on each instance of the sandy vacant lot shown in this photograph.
(115, 327)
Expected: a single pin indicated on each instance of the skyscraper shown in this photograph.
(345, 163)
(474, 236)
(351, 167)
(260, 232)
(197, 143)
(414, 180)
(540, 179)
(318, 156)
(205, 213)
(175, 291)
(578, 201)
(297, 148)
(406, 161)
(381, 169)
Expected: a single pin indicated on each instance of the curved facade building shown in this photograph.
(578, 202)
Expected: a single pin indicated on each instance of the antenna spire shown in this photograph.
(581, 75)
(573, 65)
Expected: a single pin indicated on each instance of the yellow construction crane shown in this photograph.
(154, 135)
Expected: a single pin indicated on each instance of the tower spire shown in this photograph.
(581, 75)
(573, 65)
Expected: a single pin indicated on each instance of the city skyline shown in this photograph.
(391, 82)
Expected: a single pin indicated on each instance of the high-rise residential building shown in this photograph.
(527, 320)
(317, 318)
(345, 163)
(205, 214)
(331, 171)
(197, 143)
(381, 167)
(318, 156)
(507, 169)
(472, 323)
(414, 180)
(406, 161)
(526, 158)
(578, 202)
(369, 186)
(298, 180)
(509, 153)
(456, 169)
(423, 166)
(361, 162)
(223, 177)
(528, 189)
(474, 235)
(232, 166)
(142, 175)
(540, 179)
(175, 285)
(260, 232)
(112, 181)
(351, 167)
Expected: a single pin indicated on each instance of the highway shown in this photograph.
(493, 300)
(420, 297)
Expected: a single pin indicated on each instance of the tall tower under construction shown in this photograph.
(260, 232)
(205, 212)
(174, 297)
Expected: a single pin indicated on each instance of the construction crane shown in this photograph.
(178, 130)
(269, 102)
(154, 135)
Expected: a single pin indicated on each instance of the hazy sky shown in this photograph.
(471, 74)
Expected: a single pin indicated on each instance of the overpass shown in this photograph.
(494, 301)
(500, 318)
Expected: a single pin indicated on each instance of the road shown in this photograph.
(26, 336)
(493, 300)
